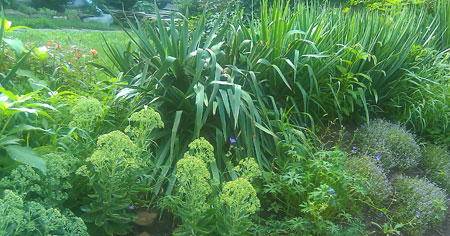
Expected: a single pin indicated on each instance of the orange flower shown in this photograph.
(93, 51)
(78, 54)
(59, 47)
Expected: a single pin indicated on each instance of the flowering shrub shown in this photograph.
(436, 163)
(391, 144)
(116, 176)
(19, 217)
(86, 113)
(379, 189)
(419, 204)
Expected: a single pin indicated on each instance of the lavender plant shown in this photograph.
(379, 189)
(420, 204)
(436, 163)
(391, 144)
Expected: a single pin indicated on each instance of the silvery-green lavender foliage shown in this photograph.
(86, 113)
(51, 188)
(420, 204)
(436, 163)
(379, 189)
(390, 143)
(117, 175)
(19, 217)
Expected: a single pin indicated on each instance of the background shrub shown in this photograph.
(126, 4)
(390, 143)
(420, 204)
(436, 164)
(58, 5)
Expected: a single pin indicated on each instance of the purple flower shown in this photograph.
(353, 148)
(331, 191)
(378, 156)
(418, 213)
(232, 140)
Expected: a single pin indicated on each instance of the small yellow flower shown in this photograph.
(7, 24)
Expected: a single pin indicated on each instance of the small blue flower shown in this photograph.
(378, 156)
(331, 191)
(418, 213)
(304, 124)
(130, 207)
(232, 140)
(353, 148)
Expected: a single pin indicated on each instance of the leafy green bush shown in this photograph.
(317, 187)
(420, 204)
(50, 189)
(50, 4)
(391, 144)
(19, 217)
(116, 175)
(378, 187)
(436, 164)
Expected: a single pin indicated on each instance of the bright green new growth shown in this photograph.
(86, 113)
(31, 218)
(248, 169)
(193, 177)
(201, 149)
(239, 197)
(144, 121)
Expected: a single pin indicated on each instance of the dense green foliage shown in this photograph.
(260, 103)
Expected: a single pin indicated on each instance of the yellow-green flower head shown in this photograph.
(114, 145)
(248, 168)
(193, 174)
(144, 120)
(86, 113)
(202, 149)
(239, 196)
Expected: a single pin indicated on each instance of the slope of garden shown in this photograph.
(282, 118)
